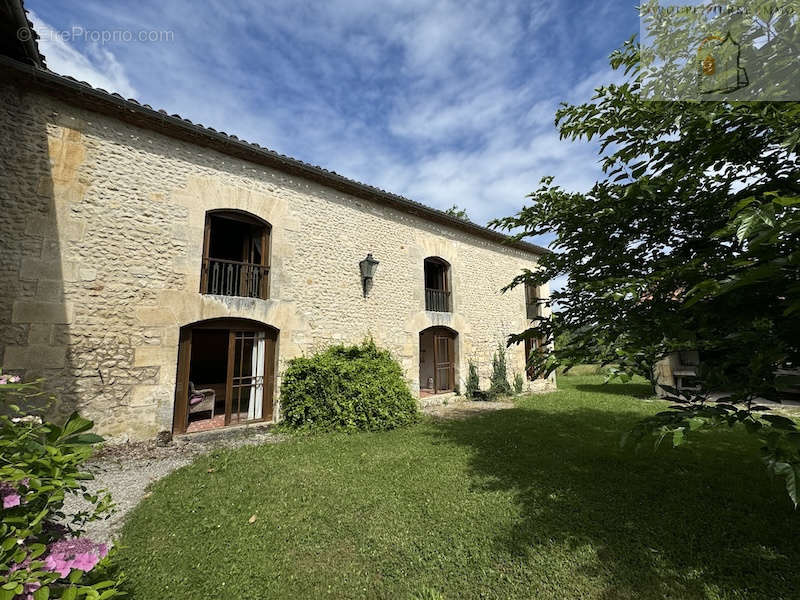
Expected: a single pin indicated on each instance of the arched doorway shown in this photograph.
(226, 374)
(437, 360)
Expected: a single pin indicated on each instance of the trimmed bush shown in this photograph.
(499, 385)
(473, 386)
(347, 388)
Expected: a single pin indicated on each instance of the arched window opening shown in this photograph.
(437, 285)
(235, 255)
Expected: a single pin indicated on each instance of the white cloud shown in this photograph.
(97, 66)
(444, 101)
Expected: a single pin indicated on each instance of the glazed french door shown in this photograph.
(248, 365)
(245, 382)
(443, 362)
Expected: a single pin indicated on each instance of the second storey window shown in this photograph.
(534, 303)
(437, 285)
(235, 255)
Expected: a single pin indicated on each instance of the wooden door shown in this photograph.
(451, 348)
(180, 416)
(444, 368)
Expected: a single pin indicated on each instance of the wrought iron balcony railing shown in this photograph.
(437, 300)
(232, 278)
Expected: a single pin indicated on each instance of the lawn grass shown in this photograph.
(533, 502)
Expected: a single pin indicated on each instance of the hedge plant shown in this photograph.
(347, 388)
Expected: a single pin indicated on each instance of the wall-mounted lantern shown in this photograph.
(368, 267)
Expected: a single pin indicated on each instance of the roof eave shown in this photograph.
(73, 91)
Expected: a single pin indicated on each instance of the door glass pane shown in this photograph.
(248, 376)
(441, 349)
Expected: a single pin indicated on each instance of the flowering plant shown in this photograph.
(43, 553)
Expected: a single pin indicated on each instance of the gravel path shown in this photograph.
(127, 470)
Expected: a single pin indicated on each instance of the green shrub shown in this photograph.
(473, 382)
(498, 384)
(43, 552)
(347, 388)
(519, 383)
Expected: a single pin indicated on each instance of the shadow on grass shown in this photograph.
(637, 390)
(697, 522)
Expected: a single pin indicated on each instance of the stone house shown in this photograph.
(159, 274)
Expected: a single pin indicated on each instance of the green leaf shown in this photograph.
(75, 425)
(70, 593)
(43, 593)
(780, 422)
(86, 438)
(677, 437)
(791, 475)
(696, 423)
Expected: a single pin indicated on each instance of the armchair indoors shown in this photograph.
(201, 400)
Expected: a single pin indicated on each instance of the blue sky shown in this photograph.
(446, 102)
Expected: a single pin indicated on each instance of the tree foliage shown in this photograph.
(457, 212)
(690, 241)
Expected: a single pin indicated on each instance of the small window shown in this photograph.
(235, 255)
(437, 285)
(534, 303)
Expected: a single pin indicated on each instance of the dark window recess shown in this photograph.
(235, 256)
(437, 285)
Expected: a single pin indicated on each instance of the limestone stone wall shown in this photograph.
(101, 233)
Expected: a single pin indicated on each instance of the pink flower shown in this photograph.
(4, 379)
(75, 553)
(10, 495)
(11, 500)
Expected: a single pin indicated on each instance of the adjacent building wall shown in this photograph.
(102, 232)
